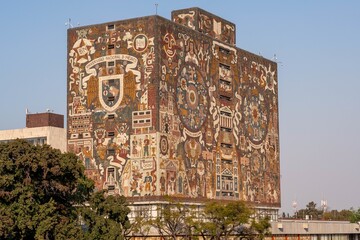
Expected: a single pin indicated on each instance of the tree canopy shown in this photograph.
(43, 194)
(216, 220)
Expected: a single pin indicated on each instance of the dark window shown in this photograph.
(111, 64)
(225, 129)
(111, 46)
(111, 27)
(225, 82)
(225, 113)
(111, 134)
(111, 116)
(111, 151)
(225, 145)
(224, 66)
(224, 50)
(111, 99)
(227, 98)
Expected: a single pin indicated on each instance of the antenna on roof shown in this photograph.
(275, 59)
(156, 7)
(27, 111)
(68, 23)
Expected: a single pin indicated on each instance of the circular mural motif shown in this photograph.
(164, 145)
(192, 98)
(140, 43)
(256, 118)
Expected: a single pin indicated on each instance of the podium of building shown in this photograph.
(159, 107)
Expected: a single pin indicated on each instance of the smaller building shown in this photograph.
(293, 229)
(41, 128)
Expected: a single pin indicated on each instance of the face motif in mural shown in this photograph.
(169, 46)
(192, 99)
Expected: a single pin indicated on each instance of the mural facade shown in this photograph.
(157, 108)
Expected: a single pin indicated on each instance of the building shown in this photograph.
(314, 230)
(159, 107)
(41, 128)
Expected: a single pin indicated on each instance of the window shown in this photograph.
(228, 114)
(225, 129)
(110, 27)
(225, 145)
(223, 97)
(111, 151)
(111, 116)
(224, 50)
(111, 64)
(224, 66)
(111, 46)
(228, 83)
(111, 99)
(111, 134)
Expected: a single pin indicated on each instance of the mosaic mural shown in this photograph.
(159, 109)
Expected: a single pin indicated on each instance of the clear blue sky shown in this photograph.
(318, 43)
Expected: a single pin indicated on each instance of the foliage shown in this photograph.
(260, 227)
(335, 215)
(174, 220)
(355, 216)
(311, 211)
(222, 220)
(106, 218)
(39, 187)
(216, 220)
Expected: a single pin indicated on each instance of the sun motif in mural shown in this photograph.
(192, 99)
(256, 119)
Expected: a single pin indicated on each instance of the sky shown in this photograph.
(317, 45)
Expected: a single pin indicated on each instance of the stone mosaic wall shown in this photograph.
(157, 108)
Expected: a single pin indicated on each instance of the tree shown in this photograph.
(174, 220)
(223, 220)
(106, 218)
(310, 211)
(335, 215)
(260, 227)
(39, 187)
(355, 215)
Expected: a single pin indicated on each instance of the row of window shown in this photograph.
(142, 121)
(141, 113)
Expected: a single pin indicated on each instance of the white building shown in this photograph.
(41, 128)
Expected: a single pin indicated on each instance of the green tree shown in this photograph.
(260, 228)
(355, 216)
(335, 215)
(311, 210)
(223, 220)
(106, 218)
(39, 187)
(174, 221)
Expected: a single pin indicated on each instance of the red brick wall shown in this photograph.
(44, 119)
